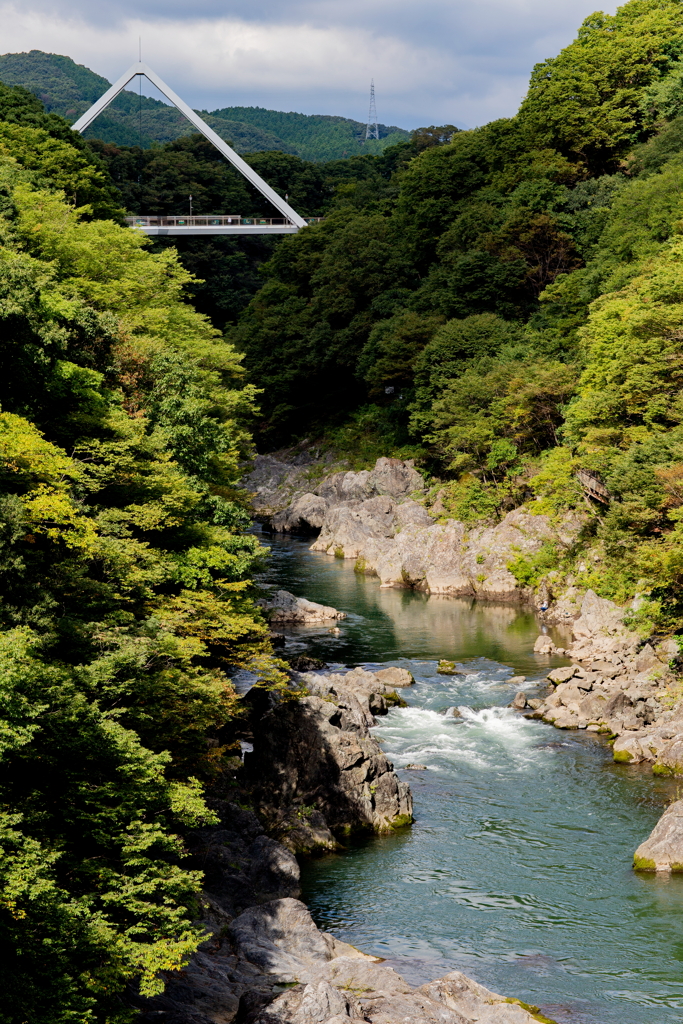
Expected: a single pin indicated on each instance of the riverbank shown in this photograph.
(315, 773)
(380, 520)
(518, 869)
(616, 685)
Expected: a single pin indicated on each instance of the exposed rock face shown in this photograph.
(241, 974)
(276, 481)
(617, 687)
(284, 489)
(439, 558)
(394, 676)
(372, 517)
(391, 477)
(663, 850)
(307, 512)
(282, 607)
(318, 752)
(598, 616)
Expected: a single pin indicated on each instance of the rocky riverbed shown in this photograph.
(315, 774)
(615, 685)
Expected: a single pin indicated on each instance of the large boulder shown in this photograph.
(670, 757)
(318, 752)
(598, 615)
(282, 607)
(274, 936)
(663, 849)
(348, 528)
(305, 515)
(393, 677)
(396, 478)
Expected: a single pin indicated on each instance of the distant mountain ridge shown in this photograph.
(68, 89)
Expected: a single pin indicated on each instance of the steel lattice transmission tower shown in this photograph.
(372, 130)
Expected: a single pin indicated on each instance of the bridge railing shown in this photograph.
(210, 220)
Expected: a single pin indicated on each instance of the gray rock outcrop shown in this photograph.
(318, 752)
(441, 558)
(617, 686)
(306, 513)
(372, 517)
(663, 849)
(271, 965)
(283, 488)
(281, 607)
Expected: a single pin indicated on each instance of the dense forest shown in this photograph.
(68, 89)
(126, 600)
(504, 305)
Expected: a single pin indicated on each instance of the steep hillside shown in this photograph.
(68, 89)
(503, 305)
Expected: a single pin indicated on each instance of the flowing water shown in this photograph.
(518, 867)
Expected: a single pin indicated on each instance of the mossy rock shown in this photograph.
(643, 864)
(402, 820)
(533, 1011)
(667, 769)
(622, 756)
(447, 668)
(339, 552)
(395, 700)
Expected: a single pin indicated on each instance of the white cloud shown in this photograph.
(440, 61)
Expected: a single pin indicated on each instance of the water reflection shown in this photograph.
(393, 623)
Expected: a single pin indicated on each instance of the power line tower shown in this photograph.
(372, 130)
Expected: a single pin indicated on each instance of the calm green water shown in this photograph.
(518, 868)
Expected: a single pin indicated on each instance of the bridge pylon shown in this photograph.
(281, 205)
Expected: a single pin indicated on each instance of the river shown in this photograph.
(517, 870)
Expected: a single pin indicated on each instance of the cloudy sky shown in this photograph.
(433, 61)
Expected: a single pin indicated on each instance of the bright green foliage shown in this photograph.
(482, 413)
(629, 388)
(470, 500)
(45, 144)
(67, 168)
(528, 570)
(125, 594)
(555, 485)
(626, 424)
(587, 100)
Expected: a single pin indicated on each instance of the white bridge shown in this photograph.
(216, 224)
(287, 223)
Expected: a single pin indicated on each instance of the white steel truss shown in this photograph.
(237, 162)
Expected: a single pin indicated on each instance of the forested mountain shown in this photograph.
(506, 307)
(504, 304)
(68, 89)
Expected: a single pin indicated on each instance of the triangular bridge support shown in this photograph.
(291, 217)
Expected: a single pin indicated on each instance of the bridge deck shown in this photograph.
(216, 224)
